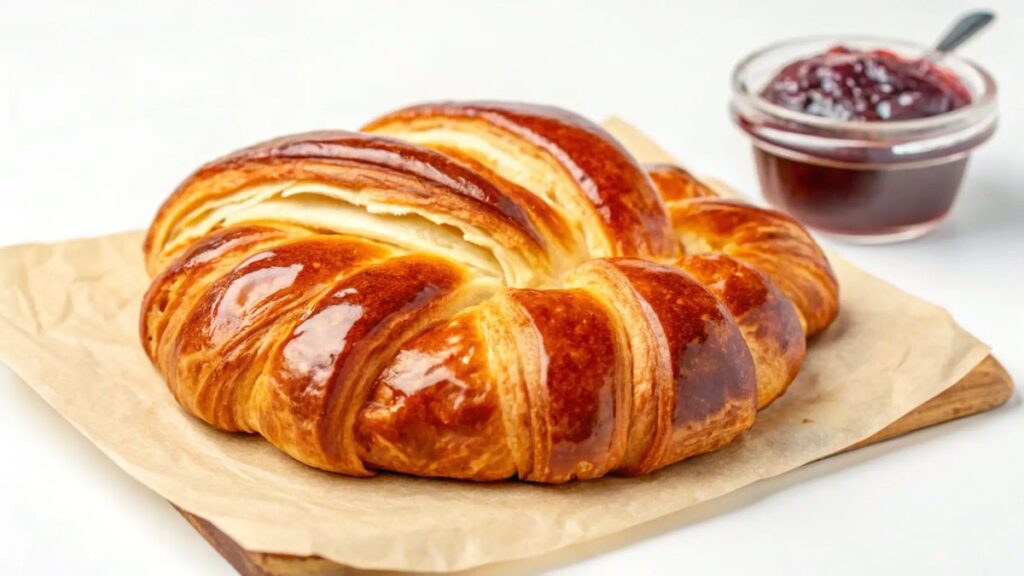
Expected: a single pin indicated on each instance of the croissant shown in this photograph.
(476, 291)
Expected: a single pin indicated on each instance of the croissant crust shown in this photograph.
(476, 290)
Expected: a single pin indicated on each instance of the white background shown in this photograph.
(106, 106)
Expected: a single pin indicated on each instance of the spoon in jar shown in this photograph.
(967, 26)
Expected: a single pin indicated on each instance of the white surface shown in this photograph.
(106, 106)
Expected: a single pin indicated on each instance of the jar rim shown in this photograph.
(981, 107)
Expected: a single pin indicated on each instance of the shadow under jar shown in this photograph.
(863, 138)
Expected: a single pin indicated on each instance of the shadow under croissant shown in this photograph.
(984, 388)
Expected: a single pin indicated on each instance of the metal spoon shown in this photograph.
(967, 26)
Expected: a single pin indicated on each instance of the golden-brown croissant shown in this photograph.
(476, 291)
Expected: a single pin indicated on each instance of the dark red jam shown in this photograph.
(870, 201)
(863, 190)
(866, 86)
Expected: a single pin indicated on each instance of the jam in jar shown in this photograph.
(866, 139)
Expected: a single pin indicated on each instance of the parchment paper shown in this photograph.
(68, 327)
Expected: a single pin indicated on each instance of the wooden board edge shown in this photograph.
(240, 559)
(261, 563)
(987, 386)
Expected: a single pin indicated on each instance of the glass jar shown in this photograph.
(869, 182)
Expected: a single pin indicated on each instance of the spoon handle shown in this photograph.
(966, 27)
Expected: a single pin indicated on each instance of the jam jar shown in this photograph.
(862, 138)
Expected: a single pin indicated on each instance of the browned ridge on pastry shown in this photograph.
(476, 290)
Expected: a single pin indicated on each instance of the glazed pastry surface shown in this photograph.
(478, 291)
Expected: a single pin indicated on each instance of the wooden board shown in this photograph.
(985, 387)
